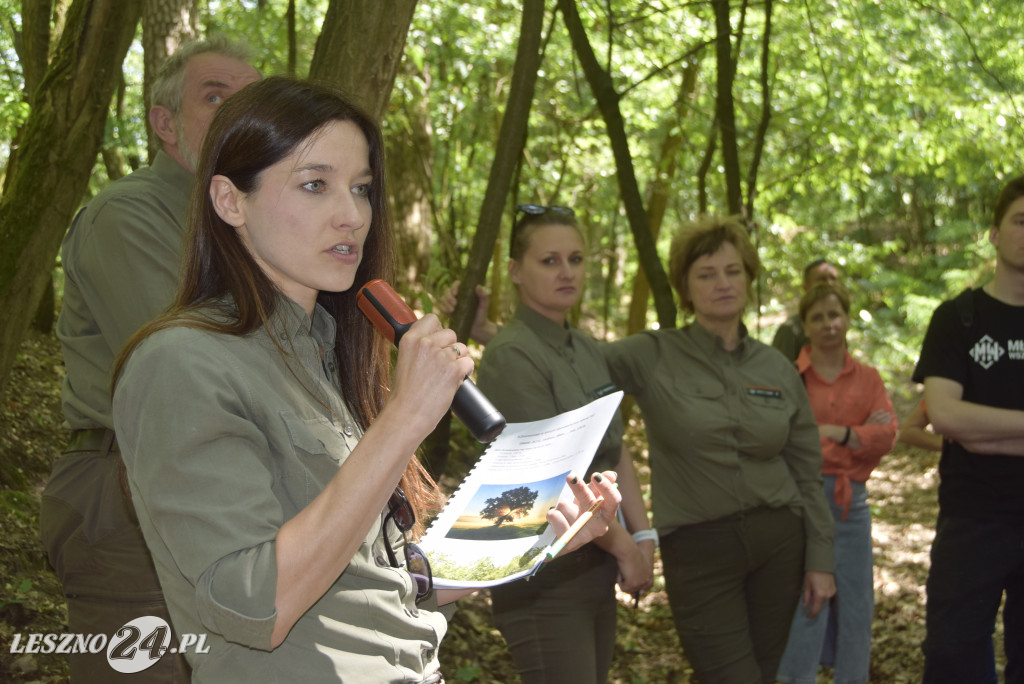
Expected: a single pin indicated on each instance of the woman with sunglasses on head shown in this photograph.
(735, 465)
(857, 427)
(272, 471)
(560, 626)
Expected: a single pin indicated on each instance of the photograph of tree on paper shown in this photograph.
(499, 511)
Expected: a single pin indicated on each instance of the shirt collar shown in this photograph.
(711, 343)
(165, 165)
(545, 328)
(291, 321)
(803, 362)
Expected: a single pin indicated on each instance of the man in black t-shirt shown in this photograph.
(972, 366)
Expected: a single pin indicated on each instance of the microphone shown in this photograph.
(392, 317)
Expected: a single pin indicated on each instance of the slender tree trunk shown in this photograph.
(668, 166)
(608, 102)
(166, 24)
(705, 166)
(508, 151)
(292, 42)
(360, 48)
(725, 110)
(56, 151)
(33, 47)
(766, 111)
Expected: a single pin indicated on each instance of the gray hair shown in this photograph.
(169, 83)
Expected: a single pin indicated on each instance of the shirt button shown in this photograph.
(412, 612)
(381, 561)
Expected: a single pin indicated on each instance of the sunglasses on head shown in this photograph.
(535, 210)
(538, 209)
(401, 513)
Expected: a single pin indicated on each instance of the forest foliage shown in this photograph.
(872, 132)
(891, 126)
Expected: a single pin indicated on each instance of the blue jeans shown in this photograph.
(973, 562)
(840, 636)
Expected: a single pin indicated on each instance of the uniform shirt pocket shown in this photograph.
(316, 449)
(766, 419)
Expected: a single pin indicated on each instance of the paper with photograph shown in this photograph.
(494, 528)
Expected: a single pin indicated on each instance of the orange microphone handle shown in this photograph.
(386, 310)
(392, 317)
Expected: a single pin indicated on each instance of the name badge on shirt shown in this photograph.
(604, 390)
(769, 392)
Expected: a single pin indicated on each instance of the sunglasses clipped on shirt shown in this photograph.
(416, 563)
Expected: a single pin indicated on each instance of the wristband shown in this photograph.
(646, 535)
(846, 437)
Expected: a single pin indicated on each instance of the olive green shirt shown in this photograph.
(535, 368)
(121, 259)
(789, 338)
(225, 439)
(728, 431)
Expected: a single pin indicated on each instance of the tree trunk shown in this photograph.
(508, 151)
(410, 172)
(33, 48)
(608, 102)
(57, 147)
(34, 51)
(668, 165)
(166, 24)
(360, 47)
(292, 49)
(766, 112)
(725, 108)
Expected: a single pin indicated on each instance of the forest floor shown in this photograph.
(903, 494)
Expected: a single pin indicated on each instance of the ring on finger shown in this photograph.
(458, 352)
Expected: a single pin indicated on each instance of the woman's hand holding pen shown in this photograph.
(602, 485)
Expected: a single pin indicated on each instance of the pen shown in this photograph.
(560, 543)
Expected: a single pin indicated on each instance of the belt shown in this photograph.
(94, 439)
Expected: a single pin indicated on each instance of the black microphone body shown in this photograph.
(392, 317)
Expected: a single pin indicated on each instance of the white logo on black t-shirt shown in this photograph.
(986, 352)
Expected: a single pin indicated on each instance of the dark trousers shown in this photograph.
(732, 584)
(560, 624)
(974, 562)
(97, 549)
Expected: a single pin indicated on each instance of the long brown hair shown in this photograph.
(254, 129)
